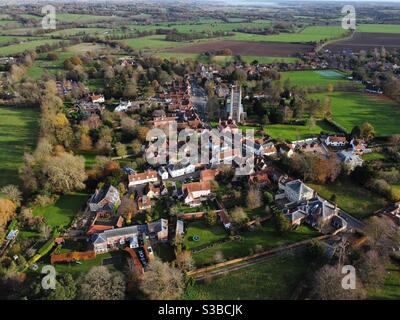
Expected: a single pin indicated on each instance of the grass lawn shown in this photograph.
(297, 132)
(314, 78)
(275, 278)
(63, 211)
(352, 109)
(308, 34)
(391, 288)
(379, 28)
(81, 18)
(266, 236)
(19, 129)
(373, 156)
(119, 261)
(74, 31)
(206, 233)
(351, 197)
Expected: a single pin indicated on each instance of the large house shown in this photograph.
(106, 200)
(315, 212)
(234, 106)
(195, 192)
(297, 191)
(112, 239)
(97, 98)
(142, 178)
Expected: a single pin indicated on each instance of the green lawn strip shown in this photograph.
(293, 132)
(352, 109)
(391, 288)
(266, 237)
(19, 129)
(63, 211)
(268, 60)
(275, 278)
(351, 197)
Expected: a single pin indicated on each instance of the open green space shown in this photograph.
(275, 278)
(152, 42)
(61, 213)
(266, 237)
(207, 234)
(293, 132)
(379, 28)
(314, 77)
(19, 129)
(352, 109)
(351, 197)
(75, 31)
(82, 18)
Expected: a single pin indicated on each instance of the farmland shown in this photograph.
(352, 109)
(379, 28)
(19, 129)
(367, 41)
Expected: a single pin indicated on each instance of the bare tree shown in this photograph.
(254, 198)
(161, 281)
(100, 284)
(327, 285)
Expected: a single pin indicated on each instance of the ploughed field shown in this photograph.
(272, 49)
(367, 41)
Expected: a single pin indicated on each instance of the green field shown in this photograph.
(266, 237)
(63, 211)
(292, 132)
(275, 278)
(82, 18)
(30, 45)
(314, 78)
(267, 60)
(207, 234)
(379, 28)
(308, 34)
(352, 109)
(152, 42)
(350, 197)
(19, 129)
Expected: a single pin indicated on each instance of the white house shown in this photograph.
(180, 169)
(336, 141)
(123, 106)
(142, 178)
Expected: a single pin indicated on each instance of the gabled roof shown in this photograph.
(149, 174)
